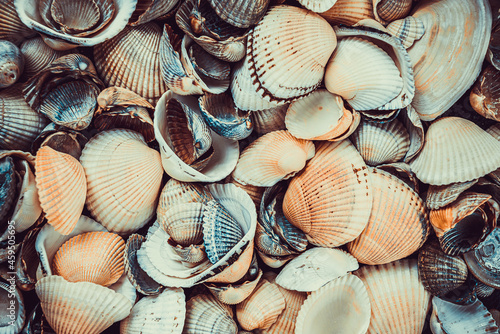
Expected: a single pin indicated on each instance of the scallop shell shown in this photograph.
(261, 308)
(314, 268)
(441, 196)
(381, 143)
(324, 206)
(11, 63)
(14, 314)
(483, 291)
(240, 13)
(176, 192)
(183, 222)
(153, 314)
(206, 315)
(264, 163)
(342, 306)
(221, 164)
(11, 27)
(62, 188)
(349, 12)
(232, 294)
(407, 30)
(289, 32)
(116, 202)
(455, 150)
(146, 11)
(19, 124)
(483, 262)
(131, 60)
(386, 11)
(81, 307)
(318, 116)
(398, 299)
(485, 94)
(440, 48)
(385, 239)
(37, 55)
(95, 257)
(269, 120)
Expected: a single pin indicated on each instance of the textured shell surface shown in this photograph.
(7, 325)
(11, 63)
(484, 261)
(348, 12)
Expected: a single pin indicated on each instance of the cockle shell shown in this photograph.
(183, 222)
(205, 315)
(386, 11)
(349, 12)
(399, 302)
(37, 55)
(11, 27)
(485, 94)
(341, 306)
(11, 63)
(483, 261)
(62, 188)
(269, 120)
(455, 150)
(177, 192)
(146, 11)
(116, 202)
(407, 30)
(332, 192)
(271, 158)
(318, 6)
(232, 294)
(441, 196)
(240, 13)
(14, 312)
(441, 48)
(27, 261)
(289, 32)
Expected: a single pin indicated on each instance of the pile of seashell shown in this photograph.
(239, 166)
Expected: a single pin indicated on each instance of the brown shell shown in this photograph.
(11, 27)
(349, 12)
(485, 94)
(390, 10)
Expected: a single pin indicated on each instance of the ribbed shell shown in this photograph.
(232, 294)
(112, 159)
(19, 124)
(485, 94)
(11, 295)
(11, 63)
(271, 158)
(363, 74)
(386, 11)
(268, 120)
(11, 27)
(146, 11)
(62, 188)
(183, 222)
(80, 308)
(341, 306)
(37, 55)
(240, 13)
(483, 262)
(95, 257)
(176, 192)
(398, 299)
(131, 60)
(349, 12)
(331, 199)
(206, 315)
(397, 226)
(441, 196)
(318, 6)
(455, 150)
(63, 14)
(407, 30)
(291, 33)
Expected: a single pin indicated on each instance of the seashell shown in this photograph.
(60, 139)
(205, 314)
(483, 261)
(318, 6)
(27, 261)
(399, 302)
(326, 308)
(416, 131)
(241, 14)
(483, 291)
(11, 64)
(462, 225)
(441, 196)
(314, 268)
(381, 143)
(493, 54)
(95, 257)
(436, 93)
(146, 11)
(37, 55)
(80, 307)
(485, 94)
(176, 192)
(440, 273)
(122, 108)
(386, 11)
(324, 206)
(120, 205)
(222, 116)
(407, 30)
(13, 313)
(8, 186)
(131, 60)
(136, 275)
(261, 308)
(403, 172)
(221, 164)
(62, 188)
(385, 239)
(232, 294)
(289, 32)
(55, 19)
(254, 192)
(436, 159)
(183, 222)
(11, 27)
(269, 120)
(348, 12)
(452, 318)
(318, 116)
(198, 20)
(271, 247)
(153, 314)
(206, 65)
(264, 163)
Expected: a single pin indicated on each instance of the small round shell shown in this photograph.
(206, 315)
(11, 63)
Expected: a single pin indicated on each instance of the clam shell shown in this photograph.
(153, 314)
(349, 12)
(314, 268)
(183, 222)
(386, 11)
(324, 206)
(62, 188)
(318, 6)
(385, 239)
(149, 10)
(381, 143)
(269, 120)
(95, 257)
(271, 158)
(37, 55)
(62, 12)
(483, 262)
(240, 13)
(458, 145)
(441, 196)
(407, 30)
(131, 60)
(176, 192)
(11, 27)
(289, 32)
(81, 307)
(485, 94)
(342, 306)
(205, 315)
(221, 164)
(398, 299)
(261, 308)
(11, 63)
(318, 116)
(441, 48)
(116, 202)
(232, 294)
(14, 313)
